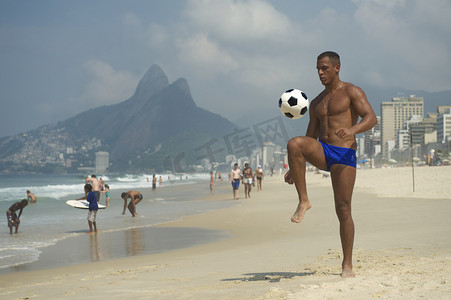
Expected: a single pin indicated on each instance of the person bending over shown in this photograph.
(135, 198)
(12, 217)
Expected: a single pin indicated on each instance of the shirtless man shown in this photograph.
(235, 176)
(95, 183)
(135, 198)
(31, 197)
(13, 218)
(329, 144)
(248, 176)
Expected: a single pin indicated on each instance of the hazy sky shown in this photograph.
(60, 57)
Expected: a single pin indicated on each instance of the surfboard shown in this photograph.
(83, 204)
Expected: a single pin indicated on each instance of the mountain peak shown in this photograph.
(182, 85)
(158, 116)
(152, 82)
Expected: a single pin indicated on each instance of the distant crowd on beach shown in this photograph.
(247, 176)
(434, 158)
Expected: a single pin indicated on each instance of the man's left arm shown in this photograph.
(364, 110)
(20, 213)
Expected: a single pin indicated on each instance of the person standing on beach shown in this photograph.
(102, 184)
(135, 198)
(154, 182)
(247, 180)
(235, 176)
(95, 183)
(31, 197)
(212, 182)
(106, 191)
(90, 196)
(12, 217)
(329, 144)
(259, 175)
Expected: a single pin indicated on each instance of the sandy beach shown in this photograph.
(402, 248)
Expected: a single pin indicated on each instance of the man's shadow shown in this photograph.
(270, 276)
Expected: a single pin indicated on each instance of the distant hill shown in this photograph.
(157, 124)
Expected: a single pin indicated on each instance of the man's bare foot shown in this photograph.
(347, 272)
(300, 211)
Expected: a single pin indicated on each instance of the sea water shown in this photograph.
(50, 219)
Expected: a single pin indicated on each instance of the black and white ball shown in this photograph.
(294, 104)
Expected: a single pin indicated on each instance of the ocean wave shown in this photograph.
(15, 256)
(66, 186)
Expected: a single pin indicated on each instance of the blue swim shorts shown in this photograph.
(339, 155)
(236, 184)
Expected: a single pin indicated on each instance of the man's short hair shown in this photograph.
(88, 187)
(93, 175)
(334, 57)
(123, 195)
(24, 202)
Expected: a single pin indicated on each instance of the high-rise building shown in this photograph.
(420, 129)
(403, 139)
(102, 161)
(393, 117)
(268, 154)
(444, 126)
(372, 139)
(441, 109)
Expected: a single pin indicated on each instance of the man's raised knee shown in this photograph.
(295, 144)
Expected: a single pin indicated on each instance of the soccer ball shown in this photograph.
(294, 103)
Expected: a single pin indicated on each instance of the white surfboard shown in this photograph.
(83, 204)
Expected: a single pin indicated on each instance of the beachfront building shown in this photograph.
(423, 128)
(372, 140)
(205, 163)
(279, 158)
(393, 117)
(360, 146)
(443, 109)
(403, 139)
(430, 137)
(444, 126)
(268, 155)
(102, 161)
